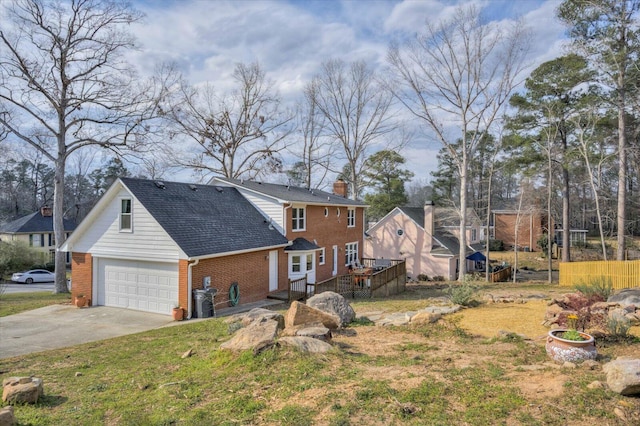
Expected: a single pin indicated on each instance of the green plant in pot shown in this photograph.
(569, 344)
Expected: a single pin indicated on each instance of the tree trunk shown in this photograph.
(58, 225)
(622, 168)
(462, 270)
(566, 217)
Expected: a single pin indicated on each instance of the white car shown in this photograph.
(34, 276)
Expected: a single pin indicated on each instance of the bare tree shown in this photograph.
(315, 151)
(357, 109)
(65, 85)
(459, 73)
(238, 134)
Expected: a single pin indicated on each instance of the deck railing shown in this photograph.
(298, 289)
(501, 275)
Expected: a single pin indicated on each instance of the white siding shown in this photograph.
(269, 208)
(148, 241)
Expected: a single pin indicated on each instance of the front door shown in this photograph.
(302, 264)
(273, 270)
(335, 261)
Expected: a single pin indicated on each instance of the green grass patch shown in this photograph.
(15, 303)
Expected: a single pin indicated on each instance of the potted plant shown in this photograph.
(569, 344)
(177, 313)
(80, 300)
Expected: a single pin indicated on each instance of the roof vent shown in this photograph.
(193, 187)
(219, 189)
(159, 184)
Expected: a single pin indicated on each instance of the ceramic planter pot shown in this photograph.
(178, 314)
(81, 302)
(562, 350)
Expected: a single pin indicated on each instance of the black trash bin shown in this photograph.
(204, 302)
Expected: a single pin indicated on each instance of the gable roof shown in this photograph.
(289, 193)
(34, 223)
(204, 219)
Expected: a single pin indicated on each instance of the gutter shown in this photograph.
(190, 286)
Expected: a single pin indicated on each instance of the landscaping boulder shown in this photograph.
(258, 314)
(305, 344)
(626, 297)
(623, 375)
(333, 303)
(423, 318)
(258, 334)
(299, 313)
(22, 390)
(6, 417)
(320, 333)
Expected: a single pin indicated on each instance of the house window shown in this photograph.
(36, 240)
(309, 262)
(295, 263)
(52, 240)
(297, 215)
(326, 211)
(474, 235)
(400, 232)
(338, 212)
(351, 253)
(125, 215)
(321, 255)
(351, 218)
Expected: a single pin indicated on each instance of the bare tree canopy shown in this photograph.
(357, 109)
(64, 84)
(237, 134)
(458, 74)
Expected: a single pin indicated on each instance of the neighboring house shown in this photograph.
(36, 230)
(532, 224)
(147, 245)
(425, 237)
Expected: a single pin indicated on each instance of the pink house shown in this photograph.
(425, 237)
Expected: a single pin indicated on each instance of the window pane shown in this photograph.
(309, 262)
(125, 221)
(126, 206)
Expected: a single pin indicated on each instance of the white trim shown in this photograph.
(324, 256)
(351, 215)
(232, 253)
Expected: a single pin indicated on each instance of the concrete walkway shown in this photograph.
(59, 326)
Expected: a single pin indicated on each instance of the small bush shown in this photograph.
(496, 245)
(462, 294)
(596, 286)
(618, 326)
(423, 277)
(438, 278)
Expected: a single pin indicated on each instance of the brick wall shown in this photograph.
(249, 270)
(82, 275)
(183, 283)
(328, 231)
(529, 231)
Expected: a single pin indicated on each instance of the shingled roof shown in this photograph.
(205, 219)
(34, 223)
(291, 194)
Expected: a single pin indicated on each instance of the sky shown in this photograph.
(290, 39)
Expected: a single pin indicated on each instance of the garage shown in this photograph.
(143, 286)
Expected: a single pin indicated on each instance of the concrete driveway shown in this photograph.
(59, 326)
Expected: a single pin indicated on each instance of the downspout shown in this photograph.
(190, 286)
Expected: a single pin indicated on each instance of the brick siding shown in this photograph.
(82, 275)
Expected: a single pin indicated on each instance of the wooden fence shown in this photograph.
(501, 275)
(623, 274)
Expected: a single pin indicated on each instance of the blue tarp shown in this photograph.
(477, 257)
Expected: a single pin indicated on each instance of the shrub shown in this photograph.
(618, 326)
(600, 287)
(423, 277)
(438, 278)
(16, 256)
(496, 245)
(461, 294)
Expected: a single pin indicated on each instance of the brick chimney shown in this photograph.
(46, 211)
(429, 217)
(340, 188)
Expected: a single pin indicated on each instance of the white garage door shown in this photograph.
(143, 286)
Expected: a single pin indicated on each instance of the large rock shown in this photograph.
(423, 318)
(258, 314)
(258, 334)
(333, 303)
(623, 375)
(626, 297)
(299, 314)
(22, 390)
(320, 333)
(6, 417)
(305, 344)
